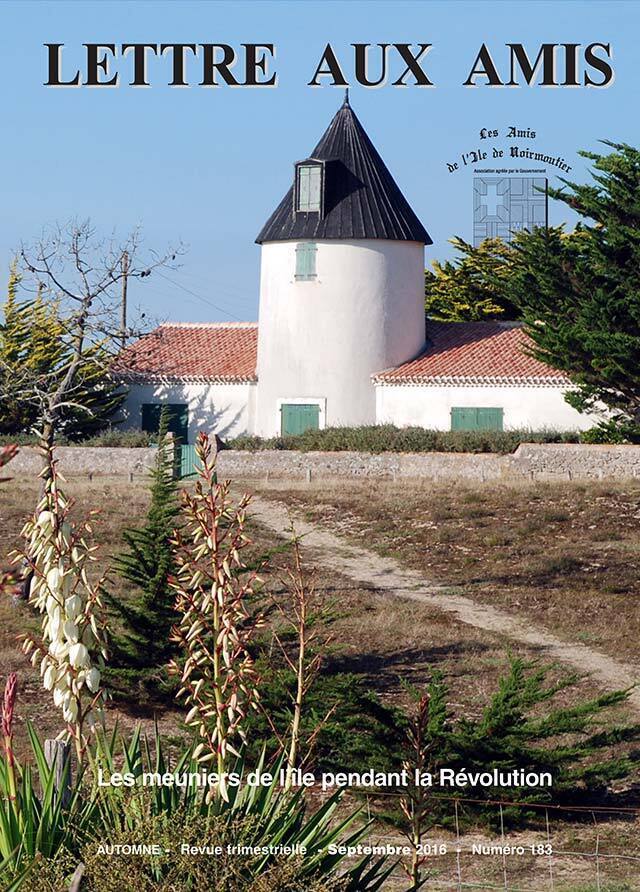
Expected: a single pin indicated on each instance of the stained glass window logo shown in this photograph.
(504, 205)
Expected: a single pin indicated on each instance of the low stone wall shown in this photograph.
(552, 461)
(284, 465)
(87, 461)
(577, 461)
(549, 461)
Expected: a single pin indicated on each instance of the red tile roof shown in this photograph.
(215, 352)
(225, 352)
(473, 352)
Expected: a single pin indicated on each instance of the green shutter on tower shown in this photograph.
(467, 418)
(296, 418)
(306, 261)
(178, 419)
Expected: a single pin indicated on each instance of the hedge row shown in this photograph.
(111, 437)
(371, 438)
(387, 438)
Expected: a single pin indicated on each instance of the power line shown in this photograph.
(225, 290)
(199, 297)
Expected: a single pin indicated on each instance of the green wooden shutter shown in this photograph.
(306, 261)
(463, 419)
(303, 188)
(469, 418)
(315, 174)
(490, 419)
(309, 188)
(296, 418)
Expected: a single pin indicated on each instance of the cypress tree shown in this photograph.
(34, 351)
(46, 348)
(12, 333)
(471, 287)
(14, 415)
(579, 292)
(147, 565)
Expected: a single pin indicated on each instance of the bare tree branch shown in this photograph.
(82, 273)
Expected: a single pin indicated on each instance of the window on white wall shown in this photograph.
(306, 261)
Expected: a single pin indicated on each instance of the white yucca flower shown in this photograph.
(73, 644)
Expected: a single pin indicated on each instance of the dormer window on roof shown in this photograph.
(343, 190)
(309, 187)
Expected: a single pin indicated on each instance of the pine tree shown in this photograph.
(471, 287)
(147, 564)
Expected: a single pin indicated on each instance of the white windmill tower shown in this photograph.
(341, 286)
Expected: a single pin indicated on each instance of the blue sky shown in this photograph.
(208, 166)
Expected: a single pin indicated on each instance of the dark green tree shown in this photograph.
(99, 396)
(579, 292)
(471, 287)
(147, 564)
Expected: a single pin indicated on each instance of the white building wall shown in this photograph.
(224, 409)
(532, 408)
(323, 339)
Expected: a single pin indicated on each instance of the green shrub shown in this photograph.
(256, 816)
(388, 438)
(613, 432)
(109, 437)
(523, 726)
(175, 870)
(116, 437)
(18, 439)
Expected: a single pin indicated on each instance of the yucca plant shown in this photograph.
(213, 587)
(250, 815)
(7, 579)
(34, 818)
(71, 650)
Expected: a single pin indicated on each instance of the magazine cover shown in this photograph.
(320, 446)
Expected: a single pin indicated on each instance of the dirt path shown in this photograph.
(389, 577)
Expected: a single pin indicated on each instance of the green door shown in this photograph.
(189, 462)
(296, 418)
(466, 418)
(178, 419)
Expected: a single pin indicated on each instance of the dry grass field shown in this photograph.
(568, 557)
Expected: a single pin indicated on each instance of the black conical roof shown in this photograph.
(361, 200)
